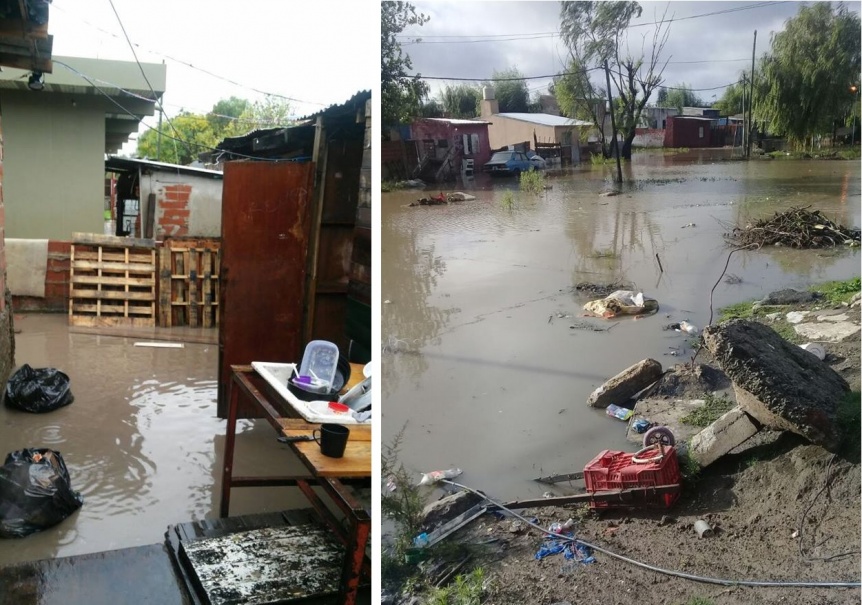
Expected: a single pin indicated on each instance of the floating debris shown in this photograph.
(795, 228)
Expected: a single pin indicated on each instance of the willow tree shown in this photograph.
(808, 73)
(460, 101)
(595, 33)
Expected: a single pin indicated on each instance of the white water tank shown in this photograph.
(488, 93)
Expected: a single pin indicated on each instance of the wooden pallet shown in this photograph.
(189, 283)
(112, 281)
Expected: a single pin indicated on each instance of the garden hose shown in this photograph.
(667, 572)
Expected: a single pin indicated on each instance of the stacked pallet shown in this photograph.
(189, 283)
(112, 281)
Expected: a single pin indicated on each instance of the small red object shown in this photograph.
(338, 407)
(615, 470)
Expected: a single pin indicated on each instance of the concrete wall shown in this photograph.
(648, 137)
(56, 283)
(54, 164)
(507, 131)
(186, 205)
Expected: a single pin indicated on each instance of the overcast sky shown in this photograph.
(319, 52)
(720, 44)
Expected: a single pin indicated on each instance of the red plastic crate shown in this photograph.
(615, 470)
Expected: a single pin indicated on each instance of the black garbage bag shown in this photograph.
(35, 492)
(40, 390)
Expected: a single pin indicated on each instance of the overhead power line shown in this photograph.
(482, 38)
(195, 67)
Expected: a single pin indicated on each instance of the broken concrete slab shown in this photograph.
(778, 383)
(830, 332)
(665, 412)
(728, 432)
(626, 384)
(796, 317)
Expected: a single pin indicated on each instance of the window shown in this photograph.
(471, 143)
(700, 132)
(442, 143)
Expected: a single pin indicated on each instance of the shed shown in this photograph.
(688, 131)
(159, 200)
(447, 145)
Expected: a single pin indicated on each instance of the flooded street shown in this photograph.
(141, 441)
(480, 369)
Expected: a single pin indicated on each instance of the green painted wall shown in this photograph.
(54, 164)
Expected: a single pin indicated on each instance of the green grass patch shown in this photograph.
(688, 467)
(839, 291)
(508, 200)
(598, 159)
(709, 412)
(387, 186)
(467, 590)
(532, 181)
(743, 310)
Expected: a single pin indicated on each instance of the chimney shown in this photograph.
(489, 105)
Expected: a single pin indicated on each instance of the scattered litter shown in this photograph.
(557, 528)
(641, 425)
(732, 279)
(35, 492)
(815, 349)
(161, 345)
(391, 485)
(571, 550)
(618, 412)
(689, 225)
(436, 476)
(387, 302)
(460, 196)
(795, 533)
(421, 540)
(547, 495)
(622, 302)
(702, 528)
(38, 390)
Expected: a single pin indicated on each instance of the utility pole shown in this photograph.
(751, 97)
(744, 127)
(159, 136)
(613, 125)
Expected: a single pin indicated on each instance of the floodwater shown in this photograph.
(481, 373)
(141, 441)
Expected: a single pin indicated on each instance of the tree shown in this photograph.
(460, 101)
(680, 96)
(184, 137)
(431, 109)
(400, 93)
(579, 99)
(510, 90)
(730, 103)
(225, 113)
(661, 99)
(594, 34)
(808, 72)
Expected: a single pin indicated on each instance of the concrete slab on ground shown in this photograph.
(728, 432)
(830, 332)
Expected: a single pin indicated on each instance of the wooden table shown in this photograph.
(330, 474)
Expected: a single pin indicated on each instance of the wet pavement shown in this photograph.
(141, 441)
(480, 369)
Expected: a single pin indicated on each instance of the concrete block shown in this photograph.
(726, 433)
(626, 384)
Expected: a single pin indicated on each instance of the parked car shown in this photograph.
(537, 161)
(505, 163)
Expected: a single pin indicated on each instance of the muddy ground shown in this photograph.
(782, 510)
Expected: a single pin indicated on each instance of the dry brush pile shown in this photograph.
(795, 228)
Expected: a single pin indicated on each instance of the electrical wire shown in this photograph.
(195, 67)
(668, 572)
(538, 35)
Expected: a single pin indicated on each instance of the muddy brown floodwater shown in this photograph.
(479, 367)
(142, 441)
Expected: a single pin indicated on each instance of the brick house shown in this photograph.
(449, 142)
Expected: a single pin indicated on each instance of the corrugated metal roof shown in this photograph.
(120, 163)
(544, 119)
(457, 121)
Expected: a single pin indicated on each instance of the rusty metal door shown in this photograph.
(265, 233)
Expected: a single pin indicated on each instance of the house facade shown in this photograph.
(458, 141)
(65, 130)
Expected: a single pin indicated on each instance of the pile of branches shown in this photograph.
(795, 228)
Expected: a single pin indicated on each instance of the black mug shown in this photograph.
(332, 439)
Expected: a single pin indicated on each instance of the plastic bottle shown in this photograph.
(435, 476)
(688, 328)
(614, 411)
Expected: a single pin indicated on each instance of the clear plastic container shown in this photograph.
(320, 362)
